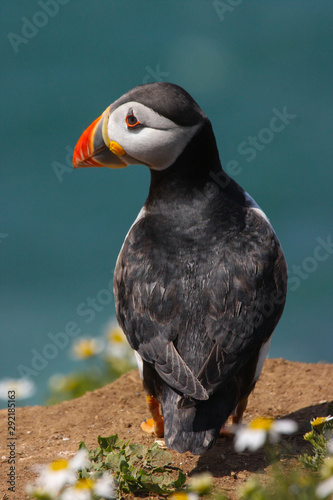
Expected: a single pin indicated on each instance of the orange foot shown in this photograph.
(229, 430)
(149, 426)
(153, 425)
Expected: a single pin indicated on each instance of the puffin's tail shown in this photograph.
(195, 428)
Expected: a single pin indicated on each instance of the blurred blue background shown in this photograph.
(64, 61)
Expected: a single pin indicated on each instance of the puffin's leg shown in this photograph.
(241, 407)
(153, 425)
(236, 419)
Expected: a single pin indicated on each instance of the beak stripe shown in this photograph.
(85, 147)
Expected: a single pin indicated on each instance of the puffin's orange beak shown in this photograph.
(93, 147)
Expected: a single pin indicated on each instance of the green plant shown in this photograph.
(135, 468)
(306, 479)
(322, 427)
(117, 468)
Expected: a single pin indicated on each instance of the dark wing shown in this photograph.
(198, 322)
(242, 314)
(148, 297)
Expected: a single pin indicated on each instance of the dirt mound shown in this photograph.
(286, 389)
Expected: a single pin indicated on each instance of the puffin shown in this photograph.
(200, 282)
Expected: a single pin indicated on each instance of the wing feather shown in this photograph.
(175, 372)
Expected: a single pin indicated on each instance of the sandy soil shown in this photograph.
(285, 389)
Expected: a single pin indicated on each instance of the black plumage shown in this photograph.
(200, 282)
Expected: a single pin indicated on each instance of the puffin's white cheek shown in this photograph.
(159, 148)
(154, 147)
(118, 132)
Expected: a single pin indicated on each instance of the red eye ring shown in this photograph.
(132, 121)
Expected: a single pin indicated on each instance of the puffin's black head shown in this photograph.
(150, 125)
(168, 100)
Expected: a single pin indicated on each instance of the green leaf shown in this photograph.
(96, 455)
(109, 442)
(123, 466)
(82, 446)
(180, 481)
(113, 460)
(84, 473)
(150, 479)
(134, 488)
(158, 457)
(137, 449)
(152, 486)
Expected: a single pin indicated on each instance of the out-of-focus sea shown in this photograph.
(64, 61)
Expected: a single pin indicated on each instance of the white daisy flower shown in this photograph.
(85, 488)
(201, 484)
(117, 344)
(104, 487)
(256, 433)
(182, 495)
(80, 460)
(82, 490)
(319, 422)
(87, 347)
(24, 388)
(325, 488)
(57, 382)
(57, 474)
(38, 492)
(64, 383)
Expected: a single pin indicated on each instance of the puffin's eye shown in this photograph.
(132, 120)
